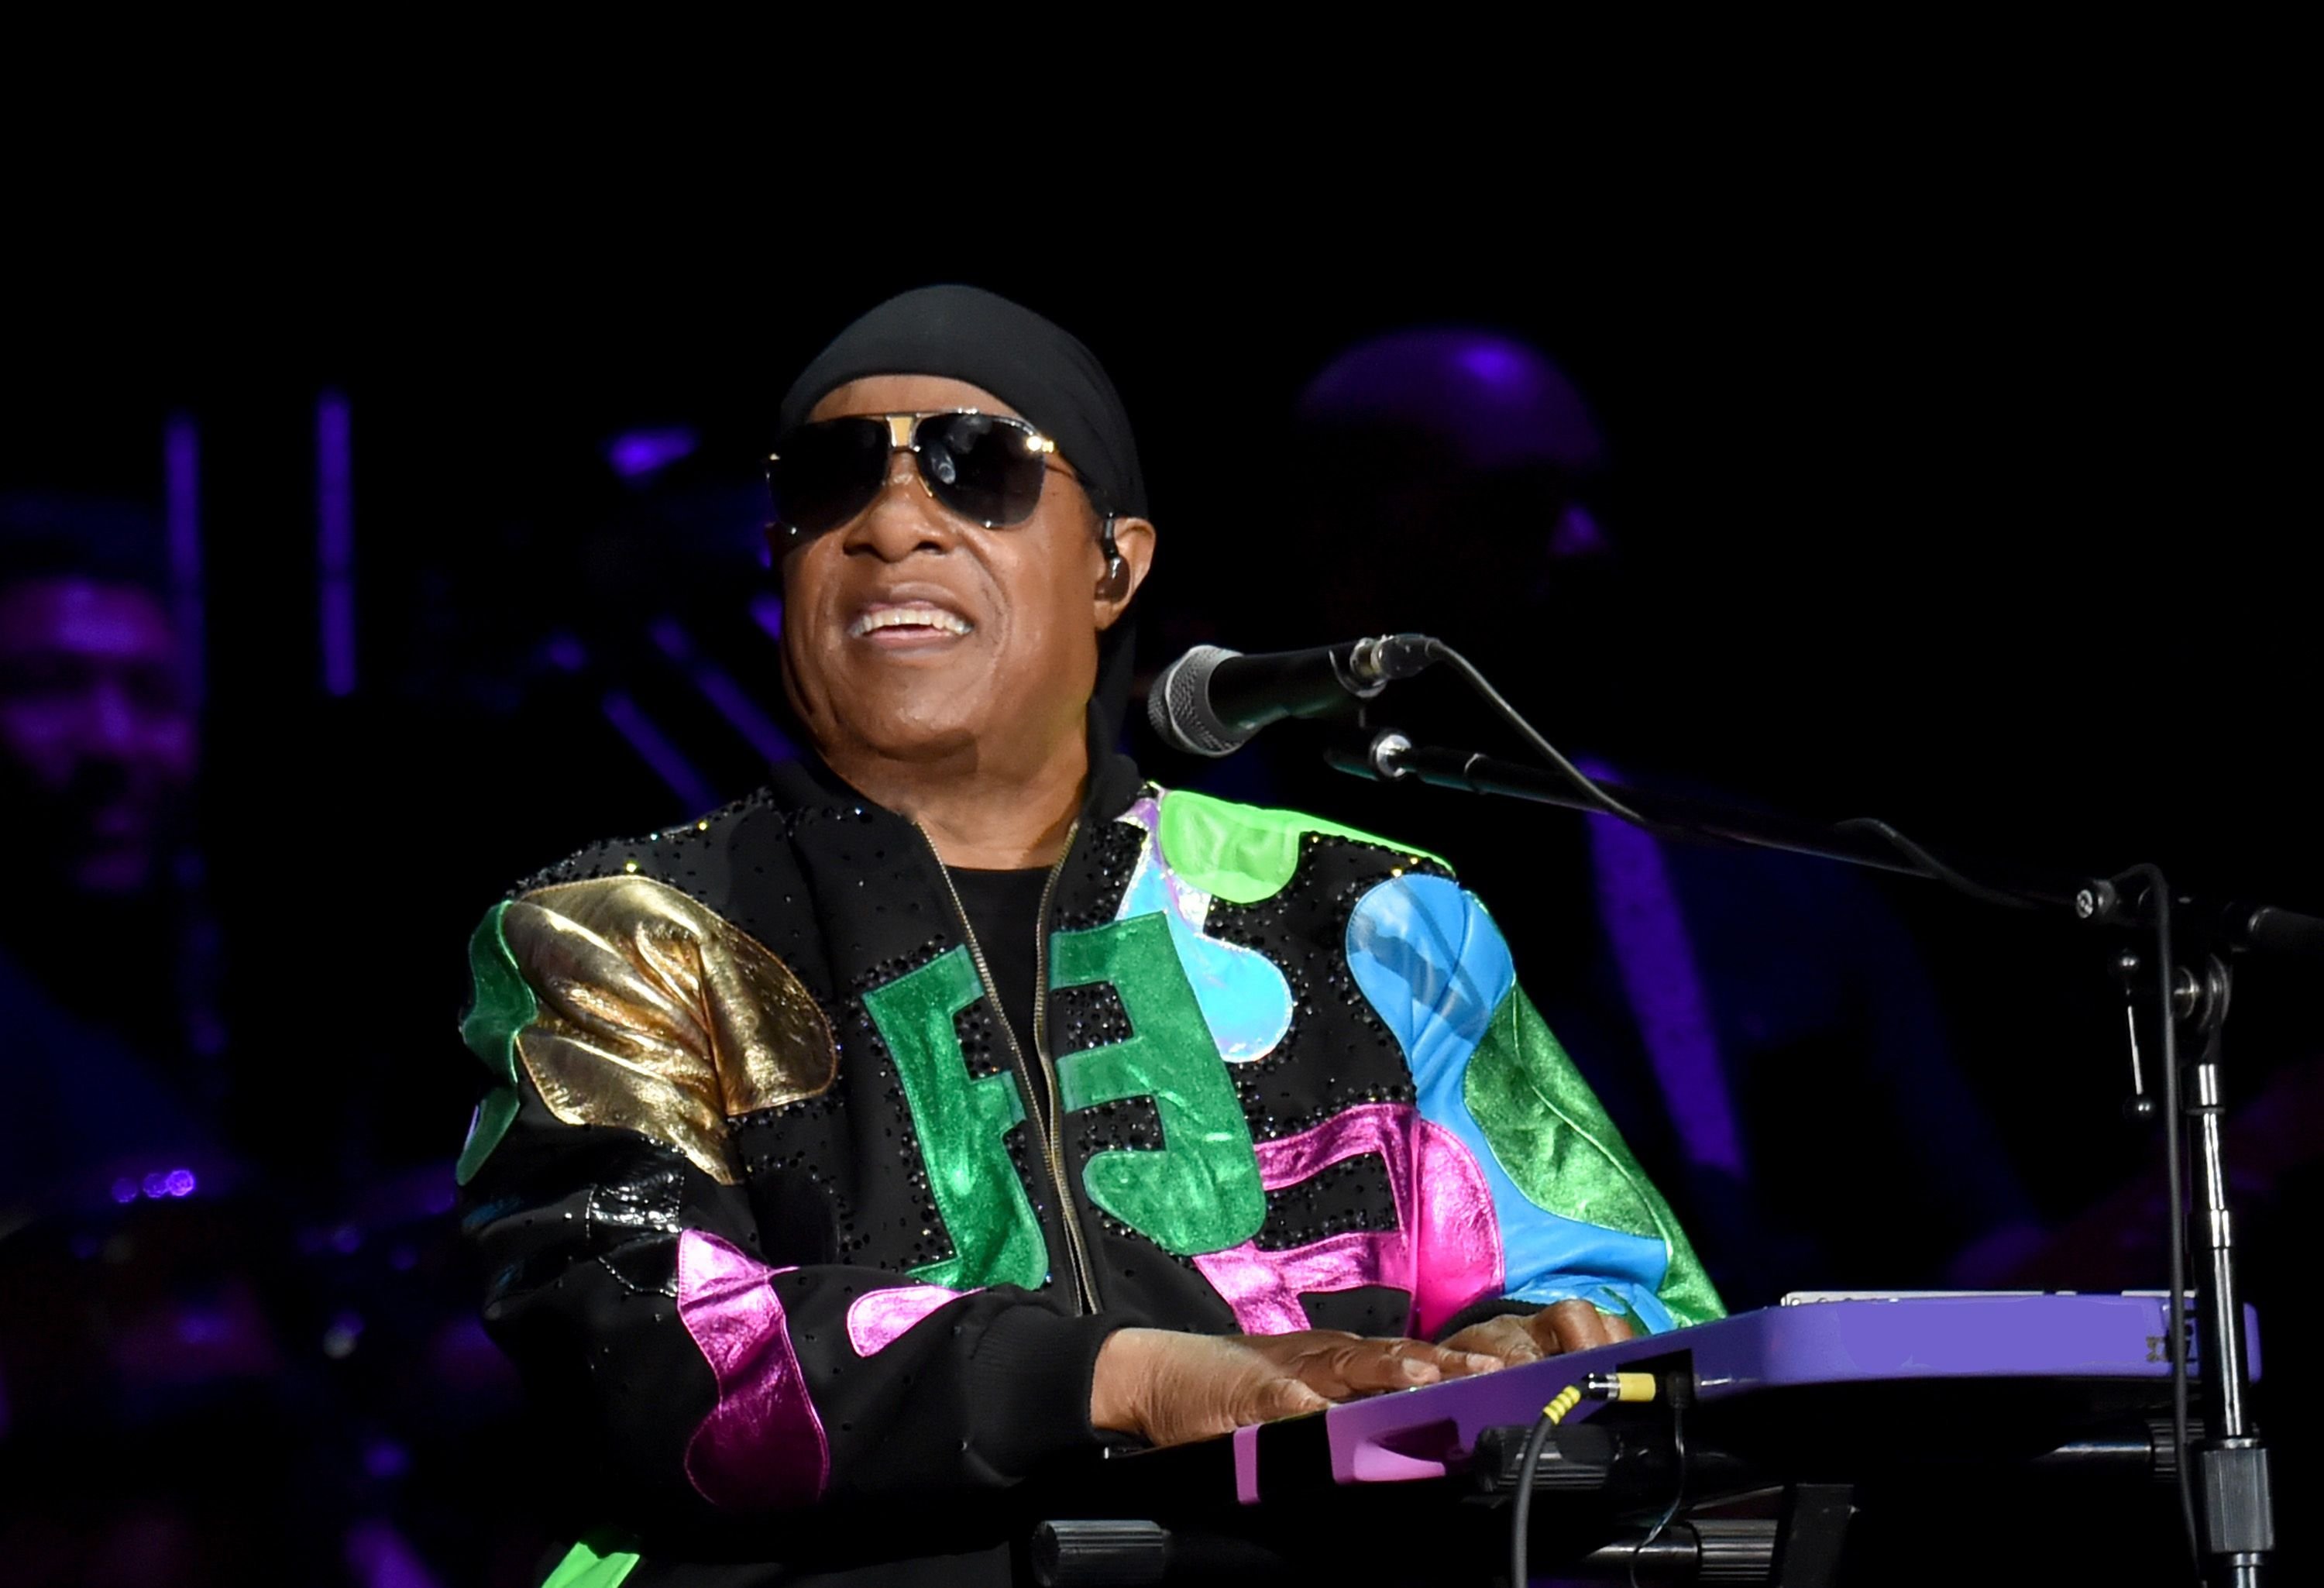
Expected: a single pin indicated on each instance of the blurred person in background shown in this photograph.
(204, 1376)
(1759, 1025)
(147, 1392)
(113, 1063)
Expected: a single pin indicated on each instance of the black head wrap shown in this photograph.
(1039, 369)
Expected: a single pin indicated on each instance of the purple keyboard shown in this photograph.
(1424, 1433)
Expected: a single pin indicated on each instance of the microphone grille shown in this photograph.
(1179, 704)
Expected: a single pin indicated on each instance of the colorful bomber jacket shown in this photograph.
(775, 1216)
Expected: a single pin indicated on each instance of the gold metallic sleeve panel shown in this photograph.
(658, 1016)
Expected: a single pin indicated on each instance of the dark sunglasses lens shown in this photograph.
(982, 465)
(825, 473)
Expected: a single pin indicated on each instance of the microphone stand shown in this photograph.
(2164, 933)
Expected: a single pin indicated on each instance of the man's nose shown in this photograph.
(905, 517)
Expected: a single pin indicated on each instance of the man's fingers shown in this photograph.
(1364, 1367)
(1286, 1398)
(1171, 1387)
(1450, 1362)
(1335, 1370)
(1576, 1325)
(1499, 1341)
(1560, 1327)
(1370, 1365)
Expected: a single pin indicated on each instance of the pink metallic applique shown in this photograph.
(876, 1318)
(1441, 1198)
(1263, 1287)
(762, 1445)
(1460, 1236)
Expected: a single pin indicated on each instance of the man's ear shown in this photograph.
(1126, 544)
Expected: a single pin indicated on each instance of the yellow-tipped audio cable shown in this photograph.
(1594, 1387)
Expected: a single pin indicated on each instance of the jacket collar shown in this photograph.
(1114, 784)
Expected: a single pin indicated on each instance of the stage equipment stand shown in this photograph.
(2164, 937)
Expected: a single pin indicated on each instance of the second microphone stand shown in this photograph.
(2164, 936)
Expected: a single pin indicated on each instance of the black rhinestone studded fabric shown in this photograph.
(1349, 1195)
(983, 1043)
(1337, 1053)
(1090, 1016)
(1368, 1309)
(1104, 862)
(632, 1223)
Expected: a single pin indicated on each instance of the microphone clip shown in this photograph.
(1375, 664)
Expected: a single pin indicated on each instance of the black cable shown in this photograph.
(1581, 780)
(1521, 1514)
(1678, 1495)
(1932, 868)
(2174, 1183)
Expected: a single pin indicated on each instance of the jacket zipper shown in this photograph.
(1052, 1134)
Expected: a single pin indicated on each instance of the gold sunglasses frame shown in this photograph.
(903, 436)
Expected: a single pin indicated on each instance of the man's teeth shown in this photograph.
(900, 617)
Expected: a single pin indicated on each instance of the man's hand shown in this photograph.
(1168, 1387)
(1563, 1326)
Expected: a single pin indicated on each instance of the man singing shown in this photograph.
(959, 1103)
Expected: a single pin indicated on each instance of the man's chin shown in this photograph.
(926, 744)
(930, 721)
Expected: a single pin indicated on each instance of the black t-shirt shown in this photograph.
(1004, 911)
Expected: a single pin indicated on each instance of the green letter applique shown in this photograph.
(961, 1123)
(1200, 1190)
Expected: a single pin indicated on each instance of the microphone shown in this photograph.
(1212, 700)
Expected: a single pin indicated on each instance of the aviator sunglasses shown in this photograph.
(985, 466)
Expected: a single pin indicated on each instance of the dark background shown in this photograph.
(1960, 480)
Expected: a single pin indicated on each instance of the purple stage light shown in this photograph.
(197, 1327)
(1496, 363)
(347, 1240)
(767, 612)
(656, 749)
(155, 1186)
(179, 1183)
(1639, 904)
(124, 1189)
(384, 1458)
(565, 654)
(378, 1556)
(1577, 534)
(336, 541)
(726, 696)
(1494, 401)
(181, 472)
(637, 454)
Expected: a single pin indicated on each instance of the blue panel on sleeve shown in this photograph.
(1435, 969)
